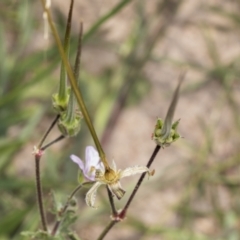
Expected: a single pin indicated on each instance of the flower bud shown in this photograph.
(162, 140)
(69, 128)
(60, 104)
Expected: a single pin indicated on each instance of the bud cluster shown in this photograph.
(160, 138)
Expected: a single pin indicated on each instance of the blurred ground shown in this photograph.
(195, 190)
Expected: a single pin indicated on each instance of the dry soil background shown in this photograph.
(202, 110)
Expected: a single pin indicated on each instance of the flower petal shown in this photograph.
(92, 158)
(116, 189)
(78, 161)
(91, 194)
(99, 175)
(101, 166)
(89, 176)
(114, 166)
(133, 170)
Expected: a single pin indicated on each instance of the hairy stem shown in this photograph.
(39, 193)
(38, 176)
(57, 224)
(48, 131)
(54, 141)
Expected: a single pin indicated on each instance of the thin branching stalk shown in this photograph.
(63, 76)
(71, 105)
(75, 88)
(38, 175)
(48, 131)
(79, 53)
(39, 193)
(107, 229)
(111, 200)
(154, 154)
(122, 214)
(52, 142)
(57, 224)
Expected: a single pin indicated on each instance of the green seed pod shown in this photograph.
(60, 104)
(69, 128)
(165, 132)
(161, 140)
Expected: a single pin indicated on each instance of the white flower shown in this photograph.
(91, 164)
(94, 170)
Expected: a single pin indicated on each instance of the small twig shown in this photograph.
(38, 156)
(39, 192)
(107, 229)
(54, 141)
(154, 154)
(57, 224)
(122, 214)
(48, 131)
(111, 200)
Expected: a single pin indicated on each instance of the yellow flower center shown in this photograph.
(111, 176)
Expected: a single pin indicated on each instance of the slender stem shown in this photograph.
(57, 224)
(79, 53)
(38, 177)
(111, 200)
(154, 154)
(39, 193)
(122, 214)
(75, 88)
(52, 142)
(70, 115)
(63, 75)
(107, 229)
(37, 172)
(55, 228)
(48, 131)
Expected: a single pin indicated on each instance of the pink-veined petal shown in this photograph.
(89, 176)
(91, 158)
(78, 161)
